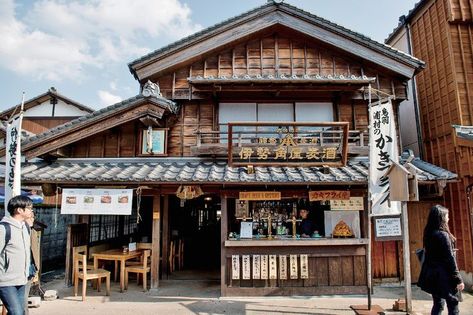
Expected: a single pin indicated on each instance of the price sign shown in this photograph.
(388, 228)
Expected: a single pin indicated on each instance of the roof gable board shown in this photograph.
(324, 31)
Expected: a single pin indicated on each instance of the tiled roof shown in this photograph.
(197, 170)
(391, 51)
(403, 19)
(99, 114)
(282, 79)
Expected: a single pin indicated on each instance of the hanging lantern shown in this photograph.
(186, 192)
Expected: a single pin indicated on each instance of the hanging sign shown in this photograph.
(260, 195)
(264, 266)
(304, 267)
(97, 201)
(256, 266)
(293, 267)
(387, 228)
(13, 159)
(282, 267)
(291, 144)
(354, 203)
(329, 195)
(235, 267)
(383, 149)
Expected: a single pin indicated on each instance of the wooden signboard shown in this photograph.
(246, 267)
(293, 267)
(388, 228)
(282, 267)
(264, 267)
(260, 195)
(329, 195)
(273, 271)
(256, 266)
(304, 267)
(354, 203)
(235, 267)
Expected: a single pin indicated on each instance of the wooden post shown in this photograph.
(368, 252)
(165, 219)
(223, 238)
(406, 257)
(155, 243)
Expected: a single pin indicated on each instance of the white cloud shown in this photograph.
(58, 39)
(107, 98)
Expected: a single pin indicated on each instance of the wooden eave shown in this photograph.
(203, 45)
(91, 126)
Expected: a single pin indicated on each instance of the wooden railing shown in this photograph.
(215, 143)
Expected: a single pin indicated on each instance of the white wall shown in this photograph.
(407, 115)
(62, 109)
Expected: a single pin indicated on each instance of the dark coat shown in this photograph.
(439, 275)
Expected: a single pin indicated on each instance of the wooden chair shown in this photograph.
(139, 261)
(80, 250)
(143, 269)
(81, 272)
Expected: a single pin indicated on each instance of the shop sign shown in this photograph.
(354, 203)
(97, 201)
(260, 195)
(286, 143)
(387, 228)
(329, 195)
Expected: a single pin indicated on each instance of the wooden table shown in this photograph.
(117, 255)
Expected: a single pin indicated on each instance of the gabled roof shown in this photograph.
(42, 98)
(208, 171)
(149, 95)
(279, 13)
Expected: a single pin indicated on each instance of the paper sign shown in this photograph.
(273, 271)
(282, 267)
(388, 228)
(304, 267)
(132, 246)
(235, 267)
(264, 266)
(256, 266)
(293, 267)
(246, 229)
(354, 203)
(246, 267)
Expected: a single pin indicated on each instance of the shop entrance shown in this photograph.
(194, 228)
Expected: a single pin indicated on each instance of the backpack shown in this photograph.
(7, 240)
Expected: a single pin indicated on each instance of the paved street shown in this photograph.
(202, 297)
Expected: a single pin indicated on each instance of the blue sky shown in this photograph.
(82, 47)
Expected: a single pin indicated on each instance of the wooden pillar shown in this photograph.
(223, 238)
(155, 242)
(165, 219)
(406, 256)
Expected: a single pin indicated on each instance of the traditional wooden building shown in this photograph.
(237, 128)
(440, 33)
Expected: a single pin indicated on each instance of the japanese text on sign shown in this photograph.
(329, 195)
(260, 195)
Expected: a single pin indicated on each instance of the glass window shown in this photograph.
(275, 112)
(314, 112)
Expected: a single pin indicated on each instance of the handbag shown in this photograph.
(420, 253)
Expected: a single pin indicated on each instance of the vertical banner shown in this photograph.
(283, 267)
(235, 267)
(256, 267)
(383, 149)
(246, 267)
(13, 159)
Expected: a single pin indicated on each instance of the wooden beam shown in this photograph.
(165, 218)
(223, 238)
(155, 243)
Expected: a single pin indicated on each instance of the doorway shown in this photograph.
(195, 224)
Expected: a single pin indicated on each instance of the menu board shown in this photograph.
(387, 228)
(354, 203)
(97, 201)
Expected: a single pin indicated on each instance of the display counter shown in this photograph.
(296, 242)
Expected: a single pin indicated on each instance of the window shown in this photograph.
(314, 112)
(153, 141)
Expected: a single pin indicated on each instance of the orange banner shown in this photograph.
(329, 195)
(260, 195)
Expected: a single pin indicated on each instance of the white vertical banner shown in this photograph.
(383, 149)
(13, 159)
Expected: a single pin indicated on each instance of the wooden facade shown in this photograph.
(442, 35)
(275, 54)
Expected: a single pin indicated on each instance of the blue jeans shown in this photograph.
(439, 304)
(13, 297)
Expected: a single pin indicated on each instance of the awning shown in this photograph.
(206, 171)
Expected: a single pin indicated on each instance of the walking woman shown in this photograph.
(439, 275)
